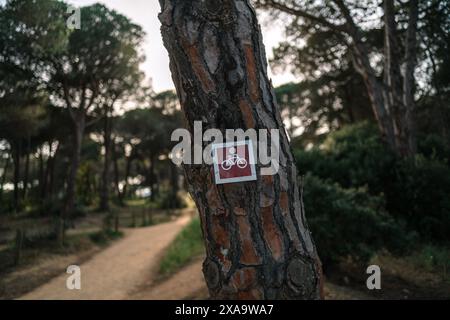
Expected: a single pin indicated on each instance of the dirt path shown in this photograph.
(118, 270)
(188, 283)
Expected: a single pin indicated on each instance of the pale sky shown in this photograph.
(156, 65)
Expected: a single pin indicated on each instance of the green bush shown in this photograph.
(353, 156)
(420, 194)
(434, 147)
(103, 237)
(349, 222)
(433, 258)
(416, 190)
(169, 200)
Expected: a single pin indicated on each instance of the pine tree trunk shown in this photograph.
(4, 174)
(50, 174)
(26, 175)
(116, 172)
(69, 203)
(104, 192)
(127, 174)
(257, 241)
(408, 79)
(393, 83)
(375, 89)
(153, 181)
(16, 153)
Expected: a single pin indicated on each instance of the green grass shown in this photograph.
(45, 244)
(103, 237)
(433, 259)
(187, 245)
(135, 202)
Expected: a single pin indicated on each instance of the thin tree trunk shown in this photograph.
(5, 172)
(17, 150)
(69, 203)
(380, 109)
(44, 172)
(375, 90)
(116, 173)
(349, 106)
(26, 175)
(257, 241)
(42, 175)
(104, 192)
(50, 175)
(127, 174)
(152, 178)
(408, 78)
(441, 101)
(393, 82)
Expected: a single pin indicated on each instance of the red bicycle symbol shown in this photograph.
(232, 160)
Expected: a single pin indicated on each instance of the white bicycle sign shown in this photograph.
(232, 160)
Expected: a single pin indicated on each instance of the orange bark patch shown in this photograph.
(254, 294)
(247, 114)
(198, 66)
(222, 240)
(267, 180)
(267, 192)
(284, 203)
(252, 73)
(272, 233)
(239, 211)
(214, 201)
(248, 251)
(243, 279)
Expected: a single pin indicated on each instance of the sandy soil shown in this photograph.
(118, 270)
(48, 266)
(188, 283)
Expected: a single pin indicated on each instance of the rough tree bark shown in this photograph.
(257, 242)
(392, 76)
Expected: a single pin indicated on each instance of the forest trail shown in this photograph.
(120, 269)
(188, 283)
